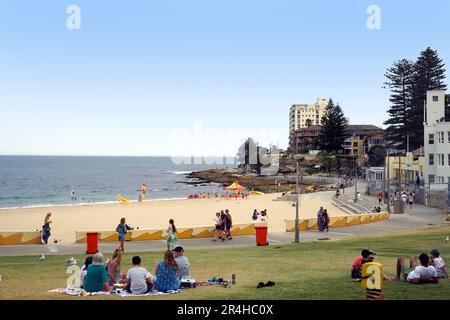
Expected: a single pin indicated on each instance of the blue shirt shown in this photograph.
(166, 278)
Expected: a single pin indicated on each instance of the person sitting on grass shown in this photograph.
(182, 262)
(417, 274)
(166, 273)
(83, 270)
(139, 280)
(96, 278)
(438, 263)
(366, 256)
(113, 267)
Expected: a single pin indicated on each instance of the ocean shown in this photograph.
(27, 181)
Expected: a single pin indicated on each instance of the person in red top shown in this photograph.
(366, 256)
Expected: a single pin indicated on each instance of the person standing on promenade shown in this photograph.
(172, 240)
(122, 229)
(325, 219)
(46, 228)
(229, 224)
(410, 200)
(320, 219)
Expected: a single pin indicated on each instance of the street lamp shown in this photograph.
(297, 157)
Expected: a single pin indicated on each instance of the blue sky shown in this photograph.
(195, 77)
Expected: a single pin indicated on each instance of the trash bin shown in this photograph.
(92, 242)
(261, 235)
(399, 207)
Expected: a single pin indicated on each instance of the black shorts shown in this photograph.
(356, 273)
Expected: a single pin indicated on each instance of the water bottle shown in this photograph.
(233, 279)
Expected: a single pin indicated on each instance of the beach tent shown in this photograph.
(235, 186)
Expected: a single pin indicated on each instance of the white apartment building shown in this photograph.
(437, 141)
(299, 113)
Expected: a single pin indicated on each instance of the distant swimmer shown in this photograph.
(72, 195)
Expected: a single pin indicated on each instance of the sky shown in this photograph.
(195, 77)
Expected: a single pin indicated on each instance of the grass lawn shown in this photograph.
(319, 270)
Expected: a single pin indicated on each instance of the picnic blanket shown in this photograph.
(124, 293)
(121, 293)
(77, 292)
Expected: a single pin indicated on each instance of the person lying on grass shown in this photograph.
(416, 274)
(438, 263)
(139, 280)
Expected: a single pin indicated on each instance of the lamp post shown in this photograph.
(297, 231)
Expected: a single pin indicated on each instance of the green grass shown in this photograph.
(318, 270)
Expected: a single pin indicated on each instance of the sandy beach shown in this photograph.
(155, 214)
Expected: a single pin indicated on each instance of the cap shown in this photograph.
(435, 252)
(178, 249)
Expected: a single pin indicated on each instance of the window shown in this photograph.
(448, 159)
(431, 178)
(435, 98)
(448, 136)
(440, 137)
(431, 159)
(440, 160)
(431, 138)
(439, 179)
(355, 144)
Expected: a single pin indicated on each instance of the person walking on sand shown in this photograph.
(172, 240)
(46, 228)
(122, 229)
(320, 219)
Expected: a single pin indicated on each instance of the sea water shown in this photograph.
(48, 180)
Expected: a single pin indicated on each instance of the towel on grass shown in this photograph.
(124, 293)
(77, 292)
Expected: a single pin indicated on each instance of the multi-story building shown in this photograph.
(303, 116)
(406, 170)
(437, 141)
(358, 138)
(306, 139)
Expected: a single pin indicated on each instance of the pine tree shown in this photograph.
(400, 82)
(429, 75)
(333, 127)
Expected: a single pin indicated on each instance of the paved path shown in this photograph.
(417, 218)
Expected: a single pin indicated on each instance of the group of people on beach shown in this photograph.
(222, 225)
(323, 220)
(262, 216)
(97, 275)
(208, 195)
(429, 269)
